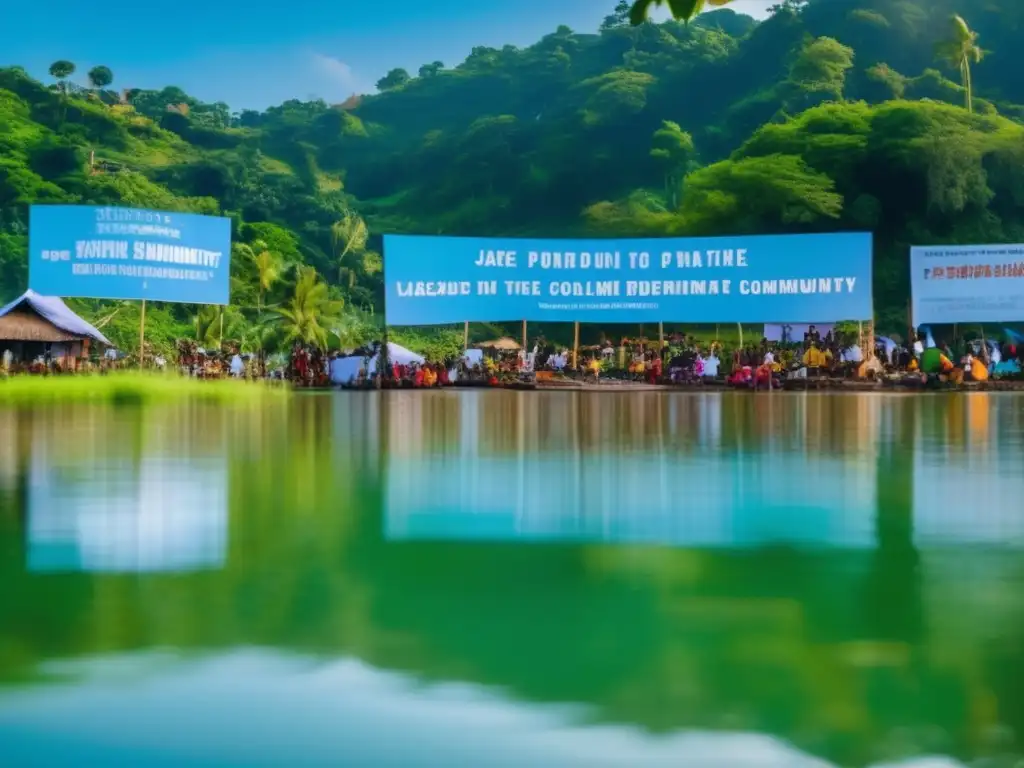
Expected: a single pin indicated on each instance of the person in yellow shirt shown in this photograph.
(979, 371)
(814, 360)
(829, 359)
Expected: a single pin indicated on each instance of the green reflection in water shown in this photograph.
(842, 572)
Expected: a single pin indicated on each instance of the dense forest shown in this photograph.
(905, 117)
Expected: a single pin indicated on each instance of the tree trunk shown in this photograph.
(966, 75)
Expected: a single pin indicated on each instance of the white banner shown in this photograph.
(967, 283)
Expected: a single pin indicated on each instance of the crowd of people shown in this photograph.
(683, 360)
(680, 359)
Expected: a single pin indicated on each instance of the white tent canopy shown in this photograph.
(344, 370)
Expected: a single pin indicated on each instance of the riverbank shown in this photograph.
(717, 385)
(788, 385)
(132, 387)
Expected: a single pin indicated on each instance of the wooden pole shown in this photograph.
(740, 326)
(661, 337)
(142, 335)
(220, 338)
(524, 336)
(465, 336)
(575, 345)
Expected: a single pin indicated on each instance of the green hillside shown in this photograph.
(830, 115)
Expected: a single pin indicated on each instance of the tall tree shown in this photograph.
(618, 17)
(393, 79)
(960, 50)
(681, 9)
(268, 271)
(672, 147)
(311, 312)
(61, 70)
(431, 70)
(100, 77)
(819, 72)
(349, 236)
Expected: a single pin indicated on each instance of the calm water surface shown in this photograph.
(494, 578)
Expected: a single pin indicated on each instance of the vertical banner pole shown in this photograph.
(740, 326)
(576, 346)
(465, 336)
(524, 336)
(661, 337)
(910, 327)
(142, 335)
(220, 338)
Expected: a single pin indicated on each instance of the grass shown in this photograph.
(131, 388)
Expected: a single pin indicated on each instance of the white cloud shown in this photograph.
(336, 73)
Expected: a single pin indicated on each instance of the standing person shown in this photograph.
(654, 374)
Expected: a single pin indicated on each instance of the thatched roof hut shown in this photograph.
(44, 319)
(504, 343)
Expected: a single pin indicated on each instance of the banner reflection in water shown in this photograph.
(145, 513)
(659, 471)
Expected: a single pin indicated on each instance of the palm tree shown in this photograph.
(348, 236)
(214, 323)
(681, 9)
(61, 71)
(961, 50)
(311, 312)
(257, 338)
(268, 271)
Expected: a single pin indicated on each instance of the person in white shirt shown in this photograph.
(236, 365)
(711, 363)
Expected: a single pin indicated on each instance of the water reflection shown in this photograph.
(700, 471)
(342, 712)
(885, 632)
(134, 503)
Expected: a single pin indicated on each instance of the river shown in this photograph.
(508, 579)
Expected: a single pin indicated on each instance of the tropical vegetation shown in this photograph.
(905, 117)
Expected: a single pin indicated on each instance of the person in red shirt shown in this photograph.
(418, 378)
(654, 370)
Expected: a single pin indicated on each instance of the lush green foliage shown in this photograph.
(131, 389)
(831, 114)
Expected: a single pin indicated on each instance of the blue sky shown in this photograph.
(257, 53)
